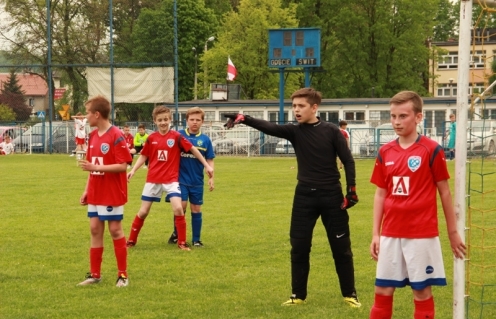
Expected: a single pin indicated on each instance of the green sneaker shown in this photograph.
(352, 301)
(293, 301)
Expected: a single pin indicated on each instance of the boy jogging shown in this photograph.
(106, 189)
(191, 173)
(318, 192)
(405, 237)
(163, 150)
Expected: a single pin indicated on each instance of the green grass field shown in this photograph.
(242, 272)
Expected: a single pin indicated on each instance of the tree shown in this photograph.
(6, 113)
(446, 21)
(244, 36)
(12, 84)
(370, 47)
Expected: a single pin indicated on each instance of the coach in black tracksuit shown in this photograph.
(318, 192)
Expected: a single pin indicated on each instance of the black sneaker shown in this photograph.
(197, 244)
(173, 239)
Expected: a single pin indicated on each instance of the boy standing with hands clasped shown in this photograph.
(405, 237)
(106, 189)
(163, 151)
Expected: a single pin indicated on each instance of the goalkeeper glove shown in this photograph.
(350, 199)
(233, 119)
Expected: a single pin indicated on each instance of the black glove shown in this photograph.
(350, 199)
(233, 119)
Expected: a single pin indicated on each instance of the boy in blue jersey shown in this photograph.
(191, 173)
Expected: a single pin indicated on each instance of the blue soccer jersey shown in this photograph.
(191, 170)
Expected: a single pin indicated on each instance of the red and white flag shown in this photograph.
(231, 70)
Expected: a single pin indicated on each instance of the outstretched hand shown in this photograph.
(233, 119)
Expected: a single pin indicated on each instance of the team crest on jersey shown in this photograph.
(104, 148)
(414, 163)
(170, 142)
(199, 143)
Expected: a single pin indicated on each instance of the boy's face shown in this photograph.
(303, 111)
(126, 131)
(163, 121)
(141, 131)
(91, 117)
(404, 120)
(452, 118)
(194, 123)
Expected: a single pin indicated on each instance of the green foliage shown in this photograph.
(242, 272)
(6, 113)
(251, 24)
(12, 84)
(446, 19)
(371, 46)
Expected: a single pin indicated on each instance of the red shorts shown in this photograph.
(80, 141)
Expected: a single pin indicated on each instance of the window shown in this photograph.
(209, 116)
(288, 39)
(274, 117)
(31, 101)
(332, 117)
(309, 52)
(354, 117)
(277, 52)
(475, 88)
(449, 61)
(255, 114)
(435, 119)
(379, 117)
(299, 38)
(478, 59)
(446, 89)
(489, 114)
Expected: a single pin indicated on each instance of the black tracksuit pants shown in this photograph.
(308, 205)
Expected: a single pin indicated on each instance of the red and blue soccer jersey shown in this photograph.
(107, 189)
(164, 154)
(409, 177)
(191, 169)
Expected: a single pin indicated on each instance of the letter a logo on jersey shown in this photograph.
(414, 163)
(401, 185)
(162, 155)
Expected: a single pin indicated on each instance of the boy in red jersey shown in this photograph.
(163, 151)
(405, 236)
(106, 190)
(342, 128)
(129, 141)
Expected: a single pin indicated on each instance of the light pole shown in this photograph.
(205, 70)
(196, 74)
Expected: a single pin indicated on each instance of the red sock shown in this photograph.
(120, 250)
(180, 223)
(135, 229)
(382, 308)
(424, 309)
(96, 256)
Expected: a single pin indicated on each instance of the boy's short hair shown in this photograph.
(312, 96)
(342, 123)
(125, 126)
(99, 104)
(161, 109)
(195, 110)
(79, 114)
(141, 126)
(405, 96)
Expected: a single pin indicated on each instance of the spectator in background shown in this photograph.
(80, 133)
(139, 141)
(129, 141)
(451, 134)
(342, 128)
(6, 147)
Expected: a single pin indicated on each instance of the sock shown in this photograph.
(120, 251)
(180, 223)
(382, 308)
(424, 309)
(196, 225)
(135, 229)
(96, 256)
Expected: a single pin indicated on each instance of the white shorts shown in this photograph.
(106, 212)
(153, 192)
(417, 262)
